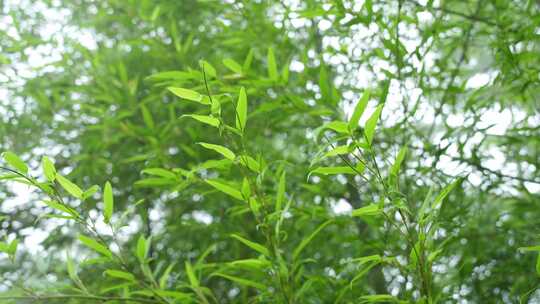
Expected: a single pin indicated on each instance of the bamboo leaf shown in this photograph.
(70, 187)
(220, 149)
(209, 120)
(232, 65)
(231, 191)
(147, 117)
(359, 110)
(280, 196)
(48, 169)
(240, 281)
(442, 195)
(371, 123)
(108, 201)
(305, 241)
(241, 110)
(369, 210)
(253, 245)
(94, 245)
(272, 66)
(189, 95)
(120, 274)
(14, 161)
(193, 281)
(142, 249)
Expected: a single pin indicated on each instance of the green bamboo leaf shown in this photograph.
(248, 60)
(120, 274)
(189, 95)
(165, 276)
(241, 110)
(338, 126)
(255, 246)
(305, 241)
(231, 191)
(382, 298)
(209, 70)
(159, 172)
(399, 159)
(337, 170)
(48, 169)
(14, 161)
(94, 245)
(193, 281)
(209, 120)
(251, 264)
(369, 210)
(240, 281)
(250, 163)
(339, 150)
(220, 149)
(272, 66)
(147, 117)
(280, 196)
(531, 248)
(70, 187)
(232, 65)
(108, 201)
(62, 208)
(371, 123)
(359, 110)
(142, 249)
(72, 272)
(538, 265)
(442, 195)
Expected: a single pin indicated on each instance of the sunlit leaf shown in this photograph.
(14, 161)
(241, 110)
(70, 187)
(220, 149)
(209, 120)
(108, 201)
(95, 245)
(359, 110)
(229, 190)
(371, 124)
(48, 168)
(253, 245)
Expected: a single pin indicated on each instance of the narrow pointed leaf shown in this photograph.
(120, 274)
(442, 195)
(14, 161)
(209, 120)
(226, 189)
(70, 187)
(241, 281)
(371, 124)
(232, 65)
(48, 168)
(241, 110)
(369, 210)
(193, 281)
(272, 67)
(253, 245)
(359, 110)
(94, 245)
(108, 201)
(220, 149)
(188, 94)
(298, 250)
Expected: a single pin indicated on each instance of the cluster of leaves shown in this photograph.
(283, 271)
(269, 151)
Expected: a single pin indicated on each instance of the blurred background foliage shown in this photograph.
(84, 82)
